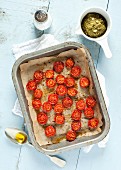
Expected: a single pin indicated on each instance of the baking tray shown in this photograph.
(65, 145)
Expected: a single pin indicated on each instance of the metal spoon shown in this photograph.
(11, 134)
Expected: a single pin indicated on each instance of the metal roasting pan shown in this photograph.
(65, 145)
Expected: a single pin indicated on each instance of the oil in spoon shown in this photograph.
(20, 138)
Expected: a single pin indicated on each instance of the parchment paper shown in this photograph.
(27, 71)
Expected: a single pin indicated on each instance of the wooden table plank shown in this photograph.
(16, 26)
(109, 158)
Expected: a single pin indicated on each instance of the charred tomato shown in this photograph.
(42, 118)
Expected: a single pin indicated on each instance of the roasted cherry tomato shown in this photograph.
(84, 82)
(38, 76)
(60, 79)
(93, 123)
(53, 99)
(67, 102)
(76, 125)
(46, 107)
(36, 103)
(76, 115)
(58, 66)
(69, 63)
(71, 135)
(31, 85)
(49, 74)
(72, 92)
(61, 90)
(80, 105)
(50, 83)
(50, 131)
(70, 82)
(58, 108)
(89, 113)
(38, 93)
(59, 119)
(76, 71)
(90, 101)
(42, 118)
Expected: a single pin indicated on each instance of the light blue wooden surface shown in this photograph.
(16, 26)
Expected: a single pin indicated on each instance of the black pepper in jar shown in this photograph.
(41, 16)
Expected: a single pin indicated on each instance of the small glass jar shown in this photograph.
(42, 20)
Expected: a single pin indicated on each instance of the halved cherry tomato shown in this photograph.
(69, 63)
(49, 74)
(53, 99)
(90, 101)
(76, 71)
(38, 76)
(50, 83)
(60, 79)
(36, 103)
(89, 113)
(76, 125)
(93, 123)
(42, 118)
(38, 93)
(72, 92)
(58, 108)
(70, 82)
(50, 131)
(31, 85)
(46, 107)
(71, 135)
(58, 66)
(59, 119)
(61, 90)
(80, 105)
(67, 102)
(76, 115)
(84, 82)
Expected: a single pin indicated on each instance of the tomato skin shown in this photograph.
(59, 119)
(60, 79)
(84, 82)
(76, 125)
(50, 131)
(89, 113)
(67, 102)
(38, 76)
(53, 99)
(76, 115)
(42, 118)
(72, 92)
(71, 135)
(90, 101)
(50, 83)
(36, 103)
(58, 109)
(38, 93)
(76, 71)
(46, 107)
(80, 105)
(69, 63)
(58, 66)
(93, 123)
(70, 82)
(31, 85)
(49, 74)
(61, 90)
